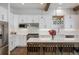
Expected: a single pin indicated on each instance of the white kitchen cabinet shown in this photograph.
(20, 19)
(75, 22)
(11, 20)
(25, 19)
(21, 40)
(36, 19)
(17, 40)
(45, 21)
(71, 21)
(15, 23)
(30, 19)
(41, 22)
(48, 21)
(12, 42)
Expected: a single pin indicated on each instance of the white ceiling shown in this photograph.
(5, 5)
(63, 5)
(26, 5)
(27, 8)
(36, 7)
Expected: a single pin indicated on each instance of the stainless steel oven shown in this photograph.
(32, 35)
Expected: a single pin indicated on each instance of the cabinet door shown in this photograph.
(29, 19)
(11, 21)
(20, 19)
(67, 21)
(48, 22)
(41, 22)
(12, 42)
(16, 21)
(71, 21)
(26, 19)
(36, 19)
(75, 21)
(5, 17)
(10, 45)
(20, 40)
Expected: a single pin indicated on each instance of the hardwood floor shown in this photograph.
(4, 50)
(19, 51)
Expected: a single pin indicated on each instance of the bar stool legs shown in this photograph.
(76, 49)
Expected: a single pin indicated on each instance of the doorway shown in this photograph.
(3, 38)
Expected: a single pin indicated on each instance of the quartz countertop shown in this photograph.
(72, 40)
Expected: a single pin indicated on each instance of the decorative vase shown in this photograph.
(52, 33)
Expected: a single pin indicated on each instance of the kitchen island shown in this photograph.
(65, 40)
(47, 46)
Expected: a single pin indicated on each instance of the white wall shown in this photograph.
(3, 14)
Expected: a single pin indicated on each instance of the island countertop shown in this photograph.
(64, 40)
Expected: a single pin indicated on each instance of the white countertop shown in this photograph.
(72, 40)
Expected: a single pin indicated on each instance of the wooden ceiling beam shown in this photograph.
(46, 7)
(76, 8)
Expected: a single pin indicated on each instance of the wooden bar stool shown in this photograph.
(76, 49)
(68, 49)
(54, 48)
(60, 48)
(71, 49)
(65, 49)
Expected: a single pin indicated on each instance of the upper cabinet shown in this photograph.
(71, 21)
(28, 19)
(45, 21)
(11, 20)
(25, 19)
(16, 19)
(36, 19)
